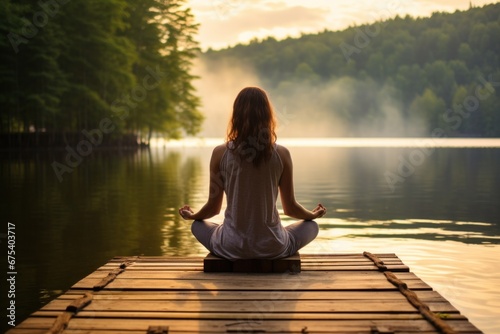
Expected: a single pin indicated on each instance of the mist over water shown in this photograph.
(305, 108)
(218, 86)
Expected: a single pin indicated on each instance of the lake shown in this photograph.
(436, 204)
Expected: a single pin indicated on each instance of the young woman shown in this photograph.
(250, 168)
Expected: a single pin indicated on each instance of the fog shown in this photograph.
(218, 87)
(305, 108)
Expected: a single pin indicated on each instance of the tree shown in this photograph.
(441, 79)
(163, 34)
(97, 60)
(424, 112)
(10, 27)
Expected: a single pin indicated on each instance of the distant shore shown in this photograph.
(73, 139)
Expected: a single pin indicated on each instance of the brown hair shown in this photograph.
(252, 126)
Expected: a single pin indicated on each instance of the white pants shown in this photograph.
(301, 233)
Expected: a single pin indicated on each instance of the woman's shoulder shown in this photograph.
(282, 150)
(217, 154)
(219, 150)
(283, 153)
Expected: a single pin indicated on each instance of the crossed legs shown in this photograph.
(301, 233)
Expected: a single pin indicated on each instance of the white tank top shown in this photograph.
(252, 227)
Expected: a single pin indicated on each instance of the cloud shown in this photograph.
(283, 17)
(243, 24)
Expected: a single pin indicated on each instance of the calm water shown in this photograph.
(437, 209)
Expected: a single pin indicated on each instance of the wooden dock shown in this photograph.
(341, 293)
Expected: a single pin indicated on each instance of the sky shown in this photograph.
(229, 22)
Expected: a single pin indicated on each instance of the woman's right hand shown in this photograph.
(186, 212)
(319, 211)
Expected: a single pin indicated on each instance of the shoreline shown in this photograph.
(59, 140)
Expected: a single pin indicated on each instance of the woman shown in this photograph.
(251, 169)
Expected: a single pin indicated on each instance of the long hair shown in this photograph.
(251, 129)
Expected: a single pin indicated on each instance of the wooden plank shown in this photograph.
(247, 285)
(344, 255)
(318, 256)
(244, 325)
(277, 305)
(310, 276)
(229, 315)
(425, 295)
(354, 261)
(394, 268)
(360, 265)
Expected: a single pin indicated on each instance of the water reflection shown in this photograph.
(453, 190)
(114, 203)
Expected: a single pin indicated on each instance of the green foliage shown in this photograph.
(67, 65)
(426, 108)
(425, 64)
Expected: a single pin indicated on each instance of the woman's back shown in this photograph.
(252, 226)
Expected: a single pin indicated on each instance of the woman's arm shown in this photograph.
(290, 206)
(216, 191)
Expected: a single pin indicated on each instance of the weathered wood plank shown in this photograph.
(353, 261)
(246, 285)
(310, 276)
(314, 275)
(343, 255)
(366, 265)
(229, 315)
(198, 258)
(425, 295)
(277, 305)
(394, 268)
(244, 324)
(306, 267)
(197, 262)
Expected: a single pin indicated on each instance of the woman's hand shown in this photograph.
(186, 212)
(319, 211)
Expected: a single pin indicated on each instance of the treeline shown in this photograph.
(115, 66)
(441, 73)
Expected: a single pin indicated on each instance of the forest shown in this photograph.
(114, 67)
(404, 76)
